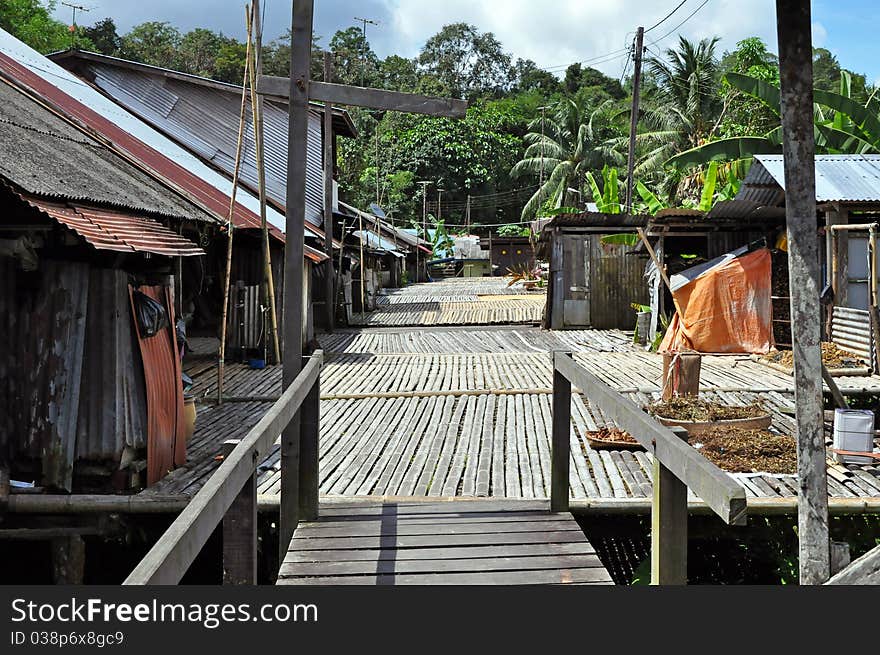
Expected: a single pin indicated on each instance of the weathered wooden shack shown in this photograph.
(591, 285)
(509, 253)
(201, 116)
(848, 211)
(88, 400)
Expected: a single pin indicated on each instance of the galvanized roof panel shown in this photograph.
(839, 178)
(372, 240)
(205, 119)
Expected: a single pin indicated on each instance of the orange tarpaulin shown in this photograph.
(726, 305)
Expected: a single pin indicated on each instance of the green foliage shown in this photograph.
(622, 239)
(31, 21)
(466, 61)
(512, 231)
(103, 36)
(570, 142)
(155, 43)
(608, 197)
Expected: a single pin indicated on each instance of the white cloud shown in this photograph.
(820, 35)
(556, 34)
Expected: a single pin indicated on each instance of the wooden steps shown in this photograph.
(452, 542)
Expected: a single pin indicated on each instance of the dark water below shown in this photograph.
(762, 553)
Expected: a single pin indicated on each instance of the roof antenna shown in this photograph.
(72, 28)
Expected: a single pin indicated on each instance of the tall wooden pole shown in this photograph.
(257, 107)
(300, 56)
(634, 118)
(796, 77)
(227, 274)
(329, 291)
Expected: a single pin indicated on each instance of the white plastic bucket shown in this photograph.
(854, 431)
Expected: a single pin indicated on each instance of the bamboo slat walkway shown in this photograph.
(462, 301)
(458, 542)
(477, 423)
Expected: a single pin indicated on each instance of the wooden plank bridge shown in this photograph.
(454, 542)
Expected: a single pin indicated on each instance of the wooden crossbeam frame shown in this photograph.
(357, 96)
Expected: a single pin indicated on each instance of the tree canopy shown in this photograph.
(532, 140)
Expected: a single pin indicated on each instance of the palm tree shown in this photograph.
(842, 125)
(569, 143)
(684, 111)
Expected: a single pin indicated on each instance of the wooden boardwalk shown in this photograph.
(457, 542)
(466, 412)
(459, 301)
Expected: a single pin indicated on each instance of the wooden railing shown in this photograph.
(230, 494)
(677, 467)
(863, 571)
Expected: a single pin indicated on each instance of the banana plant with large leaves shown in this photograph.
(842, 126)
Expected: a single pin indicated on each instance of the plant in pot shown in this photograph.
(521, 273)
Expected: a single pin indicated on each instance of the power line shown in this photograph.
(666, 17)
(675, 29)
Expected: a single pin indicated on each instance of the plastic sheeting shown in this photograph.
(726, 306)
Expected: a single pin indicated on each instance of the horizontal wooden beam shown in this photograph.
(719, 491)
(356, 96)
(171, 556)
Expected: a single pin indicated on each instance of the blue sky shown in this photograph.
(573, 30)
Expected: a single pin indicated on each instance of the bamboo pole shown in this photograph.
(363, 267)
(255, 69)
(229, 227)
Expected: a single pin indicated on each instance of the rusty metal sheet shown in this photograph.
(166, 442)
(112, 230)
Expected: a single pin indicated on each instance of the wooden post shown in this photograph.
(308, 451)
(840, 556)
(634, 118)
(796, 76)
(560, 445)
(300, 57)
(240, 531)
(68, 560)
(330, 294)
(669, 514)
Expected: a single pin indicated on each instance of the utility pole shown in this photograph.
(468, 214)
(365, 21)
(378, 194)
(799, 149)
(72, 28)
(634, 117)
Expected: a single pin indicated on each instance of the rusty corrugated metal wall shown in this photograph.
(617, 279)
(166, 443)
(69, 388)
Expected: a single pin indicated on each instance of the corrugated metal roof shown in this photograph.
(839, 178)
(597, 219)
(397, 233)
(204, 117)
(314, 255)
(122, 232)
(173, 164)
(46, 156)
(375, 242)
